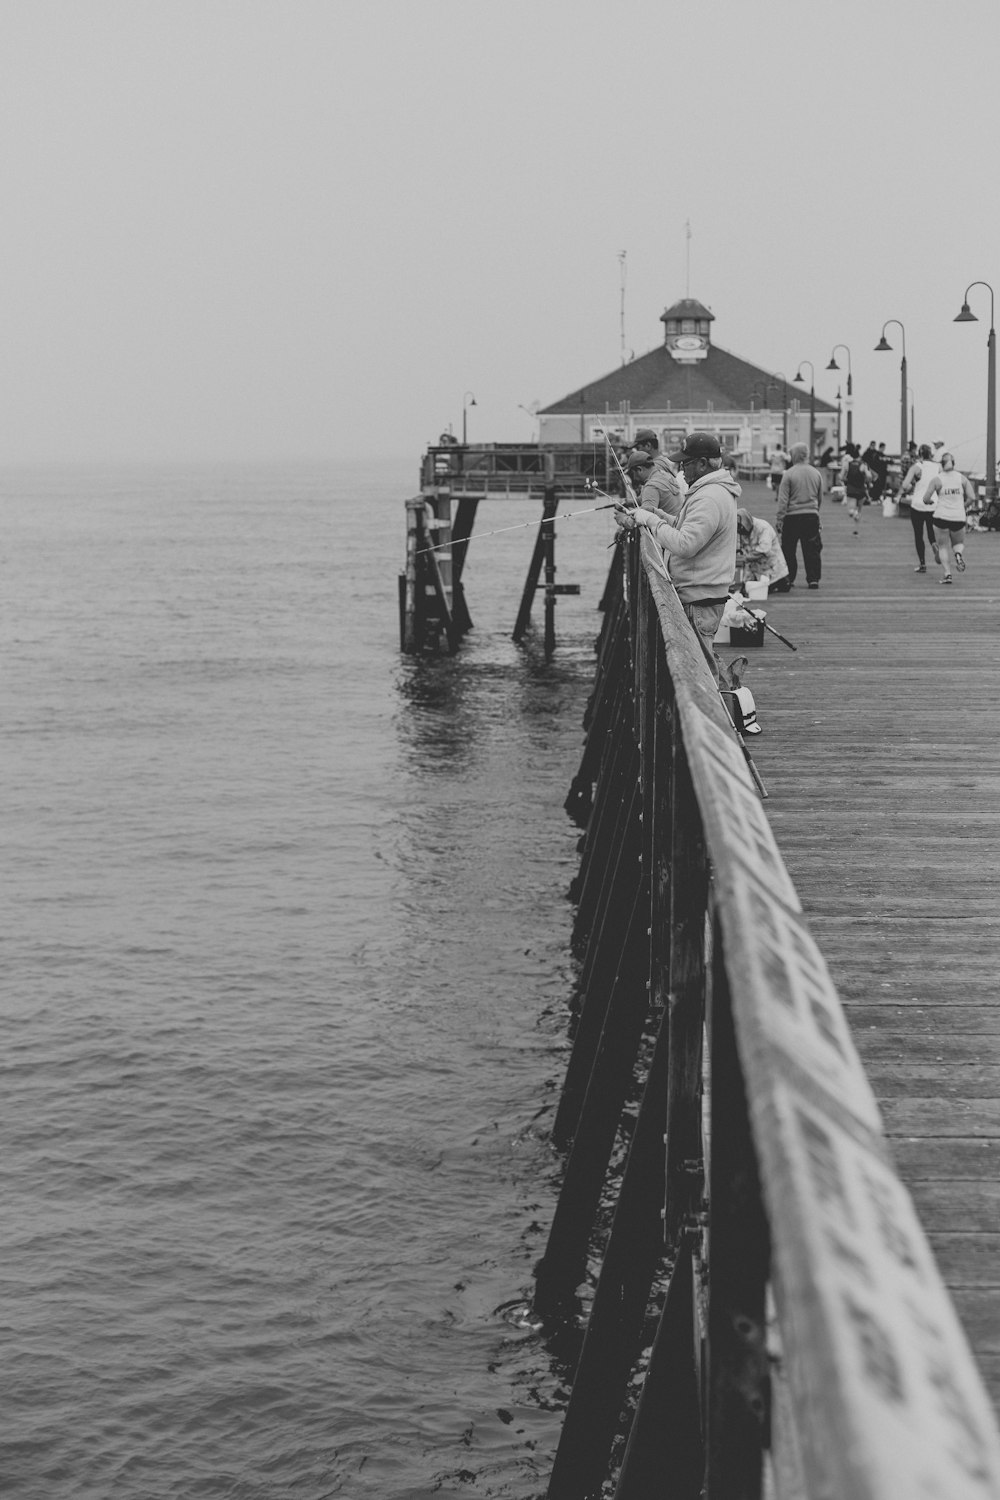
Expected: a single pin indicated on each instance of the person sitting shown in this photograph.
(758, 552)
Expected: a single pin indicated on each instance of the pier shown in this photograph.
(780, 1114)
(780, 1119)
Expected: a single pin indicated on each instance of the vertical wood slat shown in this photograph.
(534, 567)
(617, 1318)
(611, 792)
(607, 949)
(664, 1455)
(548, 531)
(413, 607)
(465, 516)
(605, 746)
(564, 1264)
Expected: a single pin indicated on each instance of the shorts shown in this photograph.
(940, 525)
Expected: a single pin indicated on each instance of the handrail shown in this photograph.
(780, 1189)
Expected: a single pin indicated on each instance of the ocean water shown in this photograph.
(284, 987)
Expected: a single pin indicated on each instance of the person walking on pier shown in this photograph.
(857, 478)
(778, 465)
(800, 496)
(947, 493)
(915, 483)
(699, 543)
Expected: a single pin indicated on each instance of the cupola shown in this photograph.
(687, 330)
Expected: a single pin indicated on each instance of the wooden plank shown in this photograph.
(887, 1400)
(880, 755)
(970, 1259)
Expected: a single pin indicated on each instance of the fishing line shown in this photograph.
(481, 536)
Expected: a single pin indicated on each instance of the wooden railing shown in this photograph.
(805, 1345)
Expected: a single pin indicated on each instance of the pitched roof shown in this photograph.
(688, 307)
(656, 382)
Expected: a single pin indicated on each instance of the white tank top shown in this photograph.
(949, 502)
(928, 470)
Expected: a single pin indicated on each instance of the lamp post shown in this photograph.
(882, 345)
(784, 404)
(833, 365)
(468, 400)
(967, 316)
(812, 403)
(913, 415)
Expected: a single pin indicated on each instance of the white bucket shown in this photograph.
(758, 588)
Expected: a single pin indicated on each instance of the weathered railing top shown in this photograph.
(886, 1396)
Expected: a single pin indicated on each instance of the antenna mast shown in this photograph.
(687, 277)
(621, 262)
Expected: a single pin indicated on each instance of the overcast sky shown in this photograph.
(307, 228)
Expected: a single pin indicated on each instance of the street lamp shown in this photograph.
(913, 415)
(812, 402)
(967, 316)
(784, 404)
(833, 365)
(468, 400)
(880, 348)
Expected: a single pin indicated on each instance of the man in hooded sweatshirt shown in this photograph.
(699, 542)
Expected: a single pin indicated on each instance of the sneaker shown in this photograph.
(814, 585)
(937, 553)
(946, 578)
(960, 561)
(920, 568)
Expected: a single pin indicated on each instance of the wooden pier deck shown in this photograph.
(881, 757)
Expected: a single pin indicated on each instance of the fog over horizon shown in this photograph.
(250, 230)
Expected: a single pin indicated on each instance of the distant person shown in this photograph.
(828, 465)
(948, 492)
(800, 496)
(778, 464)
(878, 461)
(758, 552)
(699, 543)
(858, 478)
(915, 482)
(646, 438)
(638, 467)
(666, 493)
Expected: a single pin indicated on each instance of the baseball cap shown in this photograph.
(698, 445)
(646, 435)
(640, 459)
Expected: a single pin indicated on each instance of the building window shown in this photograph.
(687, 325)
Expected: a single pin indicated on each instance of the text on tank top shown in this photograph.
(949, 502)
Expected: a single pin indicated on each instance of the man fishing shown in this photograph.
(759, 553)
(699, 542)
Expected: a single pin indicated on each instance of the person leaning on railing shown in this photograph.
(699, 543)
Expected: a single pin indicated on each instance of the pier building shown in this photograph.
(688, 383)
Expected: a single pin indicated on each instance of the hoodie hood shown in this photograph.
(723, 479)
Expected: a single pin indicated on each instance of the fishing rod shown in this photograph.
(481, 536)
(629, 491)
(761, 621)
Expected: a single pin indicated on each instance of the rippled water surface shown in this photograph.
(284, 982)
